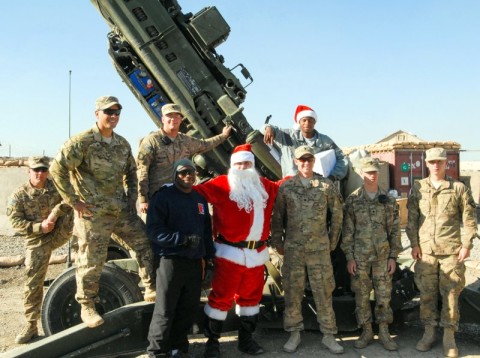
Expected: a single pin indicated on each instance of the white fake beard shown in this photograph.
(246, 189)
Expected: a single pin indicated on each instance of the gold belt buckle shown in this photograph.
(251, 245)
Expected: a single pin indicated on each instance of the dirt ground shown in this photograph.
(406, 334)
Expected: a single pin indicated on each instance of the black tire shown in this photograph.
(116, 252)
(60, 310)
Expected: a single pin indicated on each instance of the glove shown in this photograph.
(192, 241)
(207, 274)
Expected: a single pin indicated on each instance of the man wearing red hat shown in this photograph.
(305, 134)
(242, 206)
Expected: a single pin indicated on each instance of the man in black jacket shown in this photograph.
(179, 226)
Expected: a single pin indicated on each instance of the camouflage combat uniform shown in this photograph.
(104, 175)
(289, 139)
(27, 208)
(300, 215)
(370, 236)
(156, 157)
(435, 217)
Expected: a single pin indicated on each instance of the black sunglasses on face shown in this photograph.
(43, 170)
(306, 159)
(112, 112)
(185, 172)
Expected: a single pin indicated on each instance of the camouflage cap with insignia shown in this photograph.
(370, 164)
(303, 150)
(436, 154)
(38, 162)
(171, 108)
(105, 102)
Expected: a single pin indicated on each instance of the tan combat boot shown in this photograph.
(427, 340)
(28, 332)
(365, 338)
(150, 294)
(90, 316)
(329, 341)
(449, 346)
(387, 341)
(293, 342)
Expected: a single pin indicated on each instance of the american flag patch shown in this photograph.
(201, 209)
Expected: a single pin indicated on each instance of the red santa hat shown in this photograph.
(304, 111)
(242, 153)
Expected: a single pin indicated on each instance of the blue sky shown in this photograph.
(368, 68)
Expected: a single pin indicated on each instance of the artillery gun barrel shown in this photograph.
(166, 56)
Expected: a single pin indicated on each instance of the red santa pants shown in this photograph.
(235, 282)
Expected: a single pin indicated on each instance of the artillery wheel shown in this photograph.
(60, 310)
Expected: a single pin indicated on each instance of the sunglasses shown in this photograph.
(112, 112)
(37, 170)
(185, 172)
(306, 159)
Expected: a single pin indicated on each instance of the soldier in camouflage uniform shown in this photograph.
(36, 211)
(371, 242)
(437, 207)
(300, 217)
(159, 150)
(95, 173)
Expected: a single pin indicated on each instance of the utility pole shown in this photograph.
(69, 101)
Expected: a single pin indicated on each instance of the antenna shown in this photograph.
(69, 101)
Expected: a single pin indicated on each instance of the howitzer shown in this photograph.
(165, 56)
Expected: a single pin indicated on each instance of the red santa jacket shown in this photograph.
(237, 225)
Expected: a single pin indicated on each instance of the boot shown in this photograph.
(329, 341)
(90, 316)
(427, 340)
(449, 346)
(246, 343)
(365, 338)
(213, 330)
(293, 342)
(28, 332)
(387, 341)
(150, 294)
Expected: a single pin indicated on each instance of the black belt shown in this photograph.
(251, 245)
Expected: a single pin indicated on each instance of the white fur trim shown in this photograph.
(215, 313)
(247, 311)
(242, 156)
(243, 257)
(256, 230)
(305, 113)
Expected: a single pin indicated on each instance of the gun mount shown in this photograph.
(164, 56)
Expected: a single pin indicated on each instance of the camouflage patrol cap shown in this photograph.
(436, 154)
(38, 162)
(182, 164)
(171, 108)
(105, 102)
(303, 150)
(370, 164)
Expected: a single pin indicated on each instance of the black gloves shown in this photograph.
(207, 274)
(192, 241)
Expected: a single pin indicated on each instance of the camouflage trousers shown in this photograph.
(444, 275)
(36, 264)
(372, 275)
(297, 264)
(93, 238)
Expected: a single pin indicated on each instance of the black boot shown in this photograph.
(246, 343)
(213, 330)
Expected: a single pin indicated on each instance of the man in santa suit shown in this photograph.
(242, 207)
